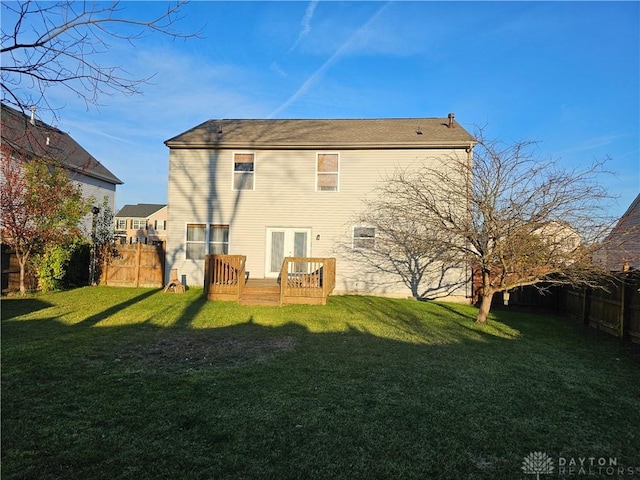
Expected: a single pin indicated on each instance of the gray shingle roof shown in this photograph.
(141, 210)
(327, 133)
(45, 141)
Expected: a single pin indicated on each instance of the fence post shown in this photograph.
(138, 255)
(585, 306)
(104, 277)
(625, 306)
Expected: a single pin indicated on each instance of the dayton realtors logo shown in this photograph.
(537, 463)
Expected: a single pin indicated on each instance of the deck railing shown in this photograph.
(302, 280)
(224, 276)
(307, 280)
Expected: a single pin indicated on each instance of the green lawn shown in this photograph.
(110, 383)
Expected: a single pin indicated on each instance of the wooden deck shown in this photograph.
(301, 280)
(260, 291)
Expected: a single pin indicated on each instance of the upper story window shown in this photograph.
(138, 224)
(160, 224)
(364, 237)
(328, 172)
(243, 171)
(121, 224)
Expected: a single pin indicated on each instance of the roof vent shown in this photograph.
(419, 131)
(219, 132)
(451, 117)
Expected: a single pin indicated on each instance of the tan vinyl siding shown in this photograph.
(285, 195)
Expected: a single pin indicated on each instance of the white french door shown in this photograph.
(285, 242)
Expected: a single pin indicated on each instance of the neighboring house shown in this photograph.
(270, 189)
(27, 136)
(141, 223)
(621, 248)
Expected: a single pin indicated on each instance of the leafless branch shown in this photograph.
(61, 44)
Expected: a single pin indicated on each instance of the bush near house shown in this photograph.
(109, 382)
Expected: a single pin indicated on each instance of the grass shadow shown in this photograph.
(113, 309)
(405, 390)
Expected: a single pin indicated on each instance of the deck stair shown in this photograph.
(260, 291)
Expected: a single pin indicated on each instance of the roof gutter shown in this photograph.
(467, 145)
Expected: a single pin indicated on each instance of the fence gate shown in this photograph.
(137, 265)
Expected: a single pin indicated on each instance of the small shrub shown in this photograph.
(53, 266)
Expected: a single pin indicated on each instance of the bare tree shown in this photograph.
(517, 219)
(402, 246)
(46, 44)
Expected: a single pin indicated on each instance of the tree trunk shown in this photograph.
(22, 264)
(485, 306)
(22, 261)
(487, 296)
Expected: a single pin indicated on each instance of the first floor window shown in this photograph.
(196, 241)
(205, 239)
(218, 239)
(364, 237)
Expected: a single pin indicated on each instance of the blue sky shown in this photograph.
(566, 74)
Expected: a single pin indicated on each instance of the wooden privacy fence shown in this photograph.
(137, 265)
(614, 309)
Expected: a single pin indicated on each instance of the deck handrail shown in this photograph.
(307, 277)
(224, 274)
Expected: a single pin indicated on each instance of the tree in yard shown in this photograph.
(401, 245)
(45, 44)
(517, 219)
(41, 206)
(104, 238)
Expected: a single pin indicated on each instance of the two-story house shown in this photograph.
(620, 251)
(141, 223)
(27, 136)
(269, 189)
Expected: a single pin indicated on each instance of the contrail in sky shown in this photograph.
(306, 23)
(320, 71)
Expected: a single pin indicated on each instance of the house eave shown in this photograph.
(320, 146)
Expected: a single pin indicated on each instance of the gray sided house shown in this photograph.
(269, 189)
(26, 135)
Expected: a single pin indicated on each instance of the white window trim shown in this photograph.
(233, 171)
(353, 237)
(186, 242)
(142, 222)
(207, 237)
(319, 173)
